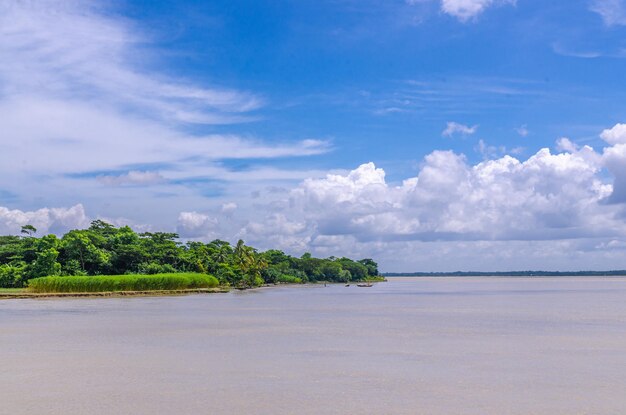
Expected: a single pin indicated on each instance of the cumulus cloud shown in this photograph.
(552, 209)
(46, 220)
(502, 203)
(453, 128)
(465, 10)
(545, 197)
(276, 230)
(613, 12)
(615, 135)
(614, 159)
(565, 144)
(194, 225)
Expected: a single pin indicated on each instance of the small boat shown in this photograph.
(347, 285)
(365, 285)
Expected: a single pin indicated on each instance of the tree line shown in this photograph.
(104, 249)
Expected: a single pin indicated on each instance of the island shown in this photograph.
(108, 259)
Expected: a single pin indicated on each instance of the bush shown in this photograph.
(72, 267)
(155, 268)
(11, 276)
(74, 284)
(288, 279)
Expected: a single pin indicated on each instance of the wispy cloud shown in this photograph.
(522, 131)
(74, 50)
(81, 91)
(133, 177)
(613, 12)
(453, 128)
(559, 49)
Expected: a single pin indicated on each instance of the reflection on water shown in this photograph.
(409, 346)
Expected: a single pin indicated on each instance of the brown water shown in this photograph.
(409, 346)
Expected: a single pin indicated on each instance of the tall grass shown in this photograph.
(85, 284)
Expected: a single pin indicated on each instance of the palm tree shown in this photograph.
(28, 230)
(250, 263)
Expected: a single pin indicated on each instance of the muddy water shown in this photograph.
(409, 346)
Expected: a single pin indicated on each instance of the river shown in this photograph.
(409, 346)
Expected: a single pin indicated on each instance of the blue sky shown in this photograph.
(409, 131)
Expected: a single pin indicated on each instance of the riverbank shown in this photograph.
(4, 295)
(16, 293)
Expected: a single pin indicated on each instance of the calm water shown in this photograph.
(409, 346)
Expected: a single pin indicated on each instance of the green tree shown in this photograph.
(372, 266)
(331, 270)
(28, 230)
(127, 251)
(162, 248)
(81, 246)
(46, 264)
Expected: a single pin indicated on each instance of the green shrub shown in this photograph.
(288, 279)
(74, 284)
(11, 276)
(155, 268)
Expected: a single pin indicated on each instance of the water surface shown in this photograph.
(409, 346)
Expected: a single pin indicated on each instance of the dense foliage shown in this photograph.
(85, 284)
(104, 249)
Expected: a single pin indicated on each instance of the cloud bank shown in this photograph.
(561, 202)
(545, 203)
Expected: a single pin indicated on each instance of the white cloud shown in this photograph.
(546, 197)
(489, 151)
(83, 98)
(614, 159)
(453, 128)
(77, 49)
(55, 220)
(465, 10)
(277, 231)
(613, 12)
(229, 208)
(550, 207)
(194, 225)
(548, 211)
(565, 144)
(615, 135)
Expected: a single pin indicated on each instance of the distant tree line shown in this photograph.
(104, 249)
(509, 274)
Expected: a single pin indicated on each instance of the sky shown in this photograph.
(430, 135)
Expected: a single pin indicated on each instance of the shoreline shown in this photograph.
(7, 295)
(150, 293)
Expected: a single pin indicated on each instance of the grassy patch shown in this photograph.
(12, 290)
(133, 282)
